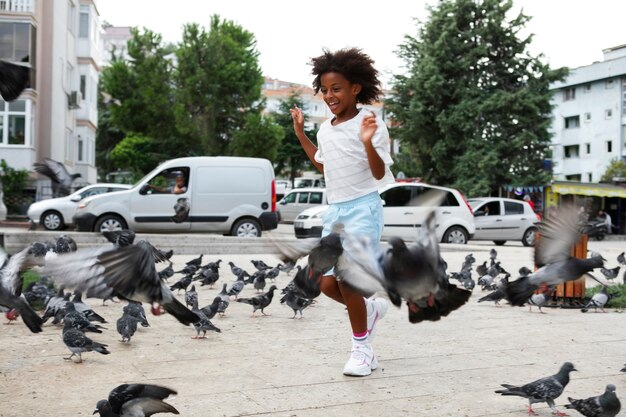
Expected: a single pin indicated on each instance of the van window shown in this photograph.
(290, 198)
(165, 181)
(315, 198)
(513, 208)
(231, 180)
(303, 198)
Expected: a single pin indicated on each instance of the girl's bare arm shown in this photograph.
(309, 148)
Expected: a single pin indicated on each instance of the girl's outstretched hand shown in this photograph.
(368, 128)
(298, 119)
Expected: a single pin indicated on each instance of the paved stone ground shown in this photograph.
(276, 366)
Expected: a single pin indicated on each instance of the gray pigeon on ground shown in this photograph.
(203, 324)
(135, 309)
(605, 405)
(610, 274)
(224, 300)
(78, 320)
(552, 256)
(260, 302)
(191, 296)
(86, 309)
(541, 298)
(236, 287)
(129, 272)
(127, 326)
(212, 309)
(542, 390)
(598, 301)
(166, 272)
(136, 400)
(621, 259)
(77, 342)
(296, 302)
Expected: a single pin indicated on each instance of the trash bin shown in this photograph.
(574, 291)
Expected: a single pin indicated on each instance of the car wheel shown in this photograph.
(110, 223)
(455, 234)
(529, 237)
(246, 228)
(52, 220)
(499, 242)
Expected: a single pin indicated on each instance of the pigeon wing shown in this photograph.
(557, 236)
(146, 407)
(359, 266)
(545, 388)
(292, 251)
(127, 392)
(14, 79)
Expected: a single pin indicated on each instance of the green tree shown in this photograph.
(474, 106)
(218, 82)
(260, 137)
(291, 158)
(138, 153)
(616, 168)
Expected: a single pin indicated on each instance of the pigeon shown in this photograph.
(296, 302)
(272, 273)
(126, 327)
(59, 176)
(120, 238)
(203, 324)
(495, 296)
(166, 272)
(65, 244)
(524, 271)
(307, 283)
(188, 270)
(85, 309)
(23, 309)
(136, 400)
(598, 301)
(542, 390)
(224, 300)
(212, 309)
(191, 296)
(610, 274)
(207, 277)
(78, 320)
(259, 281)
(260, 302)
(11, 268)
(129, 272)
(623, 369)
(541, 298)
(482, 269)
(413, 273)
(260, 265)
(195, 261)
(14, 78)
(235, 269)
(493, 254)
(287, 267)
(77, 342)
(236, 287)
(621, 259)
(213, 266)
(552, 256)
(181, 210)
(135, 309)
(605, 405)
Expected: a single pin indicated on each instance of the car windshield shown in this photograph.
(475, 202)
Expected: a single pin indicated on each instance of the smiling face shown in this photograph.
(340, 95)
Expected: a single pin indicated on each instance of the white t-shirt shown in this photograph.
(346, 169)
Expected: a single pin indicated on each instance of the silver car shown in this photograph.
(502, 219)
(56, 213)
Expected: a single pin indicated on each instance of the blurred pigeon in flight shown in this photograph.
(605, 405)
(136, 400)
(552, 256)
(120, 238)
(542, 390)
(14, 78)
(129, 272)
(59, 176)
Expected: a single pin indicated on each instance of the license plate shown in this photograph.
(299, 225)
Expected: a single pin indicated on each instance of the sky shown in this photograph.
(288, 33)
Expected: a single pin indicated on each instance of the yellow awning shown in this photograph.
(592, 190)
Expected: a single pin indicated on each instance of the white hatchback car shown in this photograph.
(56, 213)
(299, 199)
(502, 219)
(455, 222)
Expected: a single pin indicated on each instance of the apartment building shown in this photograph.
(57, 116)
(589, 118)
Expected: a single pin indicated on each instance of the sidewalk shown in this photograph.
(276, 366)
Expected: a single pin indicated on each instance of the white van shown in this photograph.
(299, 199)
(228, 195)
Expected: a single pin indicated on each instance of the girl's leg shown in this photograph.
(354, 302)
(330, 287)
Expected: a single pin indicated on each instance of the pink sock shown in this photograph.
(360, 337)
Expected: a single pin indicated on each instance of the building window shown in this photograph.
(608, 114)
(587, 88)
(80, 157)
(587, 117)
(83, 87)
(572, 122)
(589, 177)
(573, 177)
(609, 146)
(571, 151)
(569, 94)
(13, 126)
(18, 44)
(83, 22)
(588, 148)
(608, 84)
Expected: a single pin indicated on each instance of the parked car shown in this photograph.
(455, 223)
(503, 219)
(299, 199)
(229, 195)
(57, 213)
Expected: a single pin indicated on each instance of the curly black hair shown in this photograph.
(355, 65)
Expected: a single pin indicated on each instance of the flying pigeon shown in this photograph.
(126, 327)
(542, 390)
(260, 302)
(598, 301)
(59, 176)
(14, 78)
(129, 272)
(552, 256)
(306, 282)
(11, 268)
(120, 238)
(77, 342)
(136, 400)
(605, 405)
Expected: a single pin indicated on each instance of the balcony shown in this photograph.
(17, 6)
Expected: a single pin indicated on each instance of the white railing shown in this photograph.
(18, 6)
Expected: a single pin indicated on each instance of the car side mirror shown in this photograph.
(76, 198)
(145, 189)
(282, 202)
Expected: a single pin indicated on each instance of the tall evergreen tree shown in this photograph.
(218, 81)
(474, 106)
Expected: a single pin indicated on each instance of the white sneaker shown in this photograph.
(379, 307)
(361, 359)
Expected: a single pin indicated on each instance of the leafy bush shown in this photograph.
(13, 180)
(617, 293)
